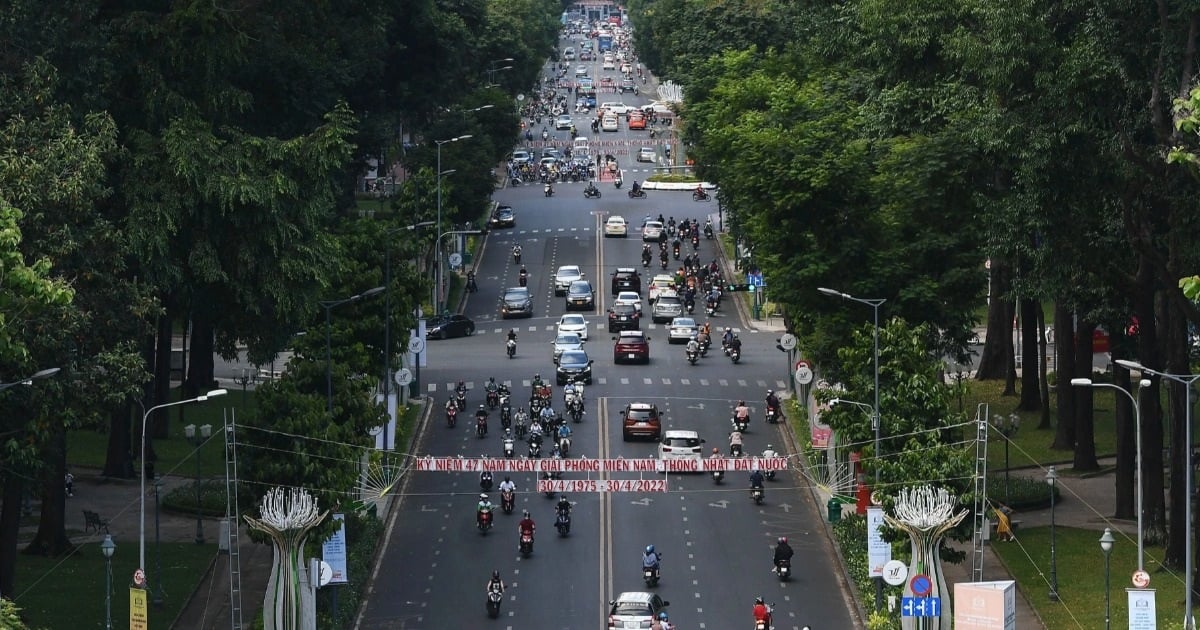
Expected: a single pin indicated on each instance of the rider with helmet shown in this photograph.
(495, 584)
(762, 612)
(783, 552)
(650, 558)
(525, 528)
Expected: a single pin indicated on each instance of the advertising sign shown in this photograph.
(1142, 615)
(985, 605)
(333, 551)
(821, 433)
(139, 618)
(584, 465)
(879, 551)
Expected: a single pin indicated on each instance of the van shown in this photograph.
(581, 145)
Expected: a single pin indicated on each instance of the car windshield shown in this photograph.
(581, 286)
(567, 340)
(631, 609)
(683, 322)
(515, 294)
(568, 272)
(668, 299)
(679, 442)
(573, 320)
(623, 309)
(641, 414)
(573, 357)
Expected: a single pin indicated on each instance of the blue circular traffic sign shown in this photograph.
(921, 585)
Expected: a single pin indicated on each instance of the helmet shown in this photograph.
(769, 448)
(758, 600)
(506, 478)
(716, 450)
(526, 513)
(754, 471)
(649, 549)
(770, 391)
(537, 376)
(741, 403)
(783, 540)
(495, 575)
(562, 498)
(483, 497)
(728, 329)
(481, 406)
(662, 615)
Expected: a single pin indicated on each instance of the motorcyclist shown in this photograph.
(512, 334)
(451, 405)
(735, 345)
(772, 400)
(537, 382)
(769, 452)
(484, 504)
(490, 385)
(727, 337)
(756, 479)
(661, 623)
(481, 416)
(521, 417)
(563, 506)
(507, 485)
(762, 612)
(485, 479)
(783, 552)
(706, 329)
(650, 558)
(700, 191)
(525, 528)
(516, 252)
(637, 187)
(735, 439)
(693, 345)
(523, 274)
(548, 416)
(741, 412)
(495, 584)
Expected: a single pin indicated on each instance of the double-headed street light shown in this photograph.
(1187, 380)
(142, 495)
(329, 306)
(440, 172)
(1052, 479)
(30, 379)
(1141, 479)
(1106, 545)
(387, 321)
(493, 69)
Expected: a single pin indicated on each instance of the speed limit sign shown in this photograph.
(804, 373)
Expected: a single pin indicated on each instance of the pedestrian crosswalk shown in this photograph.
(603, 380)
(599, 326)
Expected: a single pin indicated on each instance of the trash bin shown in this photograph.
(835, 510)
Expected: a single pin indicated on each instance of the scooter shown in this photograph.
(508, 501)
(526, 545)
(735, 355)
(480, 427)
(564, 446)
(516, 252)
(493, 603)
(693, 356)
(718, 476)
(772, 415)
(472, 287)
(548, 190)
(700, 196)
(650, 575)
(451, 416)
(485, 481)
(493, 399)
(765, 624)
(535, 449)
(591, 191)
(484, 521)
(735, 450)
(739, 424)
(545, 135)
(563, 524)
(757, 495)
(637, 194)
(511, 347)
(523, 279)
(784, 570)
(708, 231)
(617, 183)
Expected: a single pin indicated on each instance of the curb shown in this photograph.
(677, 186)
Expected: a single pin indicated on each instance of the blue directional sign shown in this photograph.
(921, 607)
(755, 279)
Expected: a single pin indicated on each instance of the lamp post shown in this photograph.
(439, 248)
(1106, 545)
(439, 143)
(1137, 423)
(197, 440)
(874, 418)
(387, 322)
(1052, 478)
(156, 589)
(30, 379)
(108, 547)
(142, 495)
(1189, 622)
(1008, 428)
(329, 306)
(492, 69)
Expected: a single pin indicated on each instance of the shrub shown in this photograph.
(1023, 493)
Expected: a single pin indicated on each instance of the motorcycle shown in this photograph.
(646, 256)
(591, 191)
(535, 449)
(757, 495)
(472, 287)
(526, 544)
(509, 447)
(485, 481)
(735, 450)
(483, 520)
(664, 262)
(516, 252)
(480, 426)
(549, 476)
(739, 424)
(690, 305)
(548, 190)
(511, 348)
(493, 603)
(637, 194)
(451, 416)
(784, 570)
(508, 501)
(505, 413)
(695, 243)
(704, 346)
(693, 356)
(675, 250)
(493, 399)
(650, 575)
(735, 355)
(564, 446)
(520, 428)
(698, 195)
(772, 415)
(708, 231)
(617, 183)
(563, 524)
(710, 308)
(545, 135)
(765, 624)
(460, 397)
(523, 279)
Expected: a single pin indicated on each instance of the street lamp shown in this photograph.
(441, 305)
(1052, 478)
(329, 306)
(108, 547)
(1189, 622)
(142, 495)
(198, 440)
(875, 304)
(1008, 428)
(387, 322)
(1137, 423)
(875, 421)
(29, 379)
(1106, 545)
(156, 589)
(439, 143)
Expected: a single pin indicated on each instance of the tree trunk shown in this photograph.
(51, 539)
(993, 360)
(1154, 500)
(1043, 376)
(1085, 425)
(200, 360)
(1031, 396)
(1126, 446)
(118, 458)
(1064, 360)
(1010, 351)
(10, 527)
(1174, 346)
(162, 378)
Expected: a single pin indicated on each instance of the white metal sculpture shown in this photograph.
(288, 515)
(926, 514)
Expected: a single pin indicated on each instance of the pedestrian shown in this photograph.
(69, 484)
(1003, 523)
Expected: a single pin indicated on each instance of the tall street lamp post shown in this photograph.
(493, 69)
(874, 417)
(1052, 479)
(30, 379)
(197, 439)
(387, 323)
(439, 143)
(156, 589)
(329, 306)
(1137, 423)
(1008, 428)
(1106, 545)
(1187, 380)
(142, 495)
(108, 547)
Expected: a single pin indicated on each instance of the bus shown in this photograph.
(605, 43)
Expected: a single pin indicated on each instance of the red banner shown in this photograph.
(648, 465)
(658, 484)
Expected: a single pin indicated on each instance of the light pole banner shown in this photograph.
(139, 617)
(333, 551)
(879, 551)
(583, 465)
(1142, 615)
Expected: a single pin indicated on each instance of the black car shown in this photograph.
(624, 317)
(627, 85)
(515, 302)
(626, 279)
(574, 364)
(580, 295)
(503, 217)
(447, 326)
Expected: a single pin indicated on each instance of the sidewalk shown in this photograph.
(117, 501)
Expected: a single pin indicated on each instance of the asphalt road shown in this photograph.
(716, 543)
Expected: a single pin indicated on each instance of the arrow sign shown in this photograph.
(428, 509)
(786, 507)
(721, 504)
(699, 406)
(642, 502)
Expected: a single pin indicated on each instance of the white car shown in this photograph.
(581, 71)
(564, 342)
(609, 64)
(563, 122)
(629, 297)
(617, 108)
(616, 226)
(522, 157)
(682, 330)
(652, 231)
(573, 324)
(564, 277)
(610, 123)
(647, 154)
(661, 283)
(681, 445)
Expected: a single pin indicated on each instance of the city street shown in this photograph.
(716, 544)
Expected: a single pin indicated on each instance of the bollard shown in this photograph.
(834, 508)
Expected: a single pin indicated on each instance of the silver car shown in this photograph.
(668, 306)
(682, 330)
(565, 342)
(563, 278)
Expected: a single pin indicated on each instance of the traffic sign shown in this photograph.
(921, 606)
(416, 345)
(895, 572)
(1141, 579)
(788, 342)
(921, 585)
(754, 279)
(139, 578)
(455, 259)
(804, 373)
(403, 377)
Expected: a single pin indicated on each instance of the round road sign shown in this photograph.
(804, 373)
(403, 377)
(921, 585)
(895, 572)
(455, 259)
(787, 341)
(325, 574)
(139, 578)
(416, 345)
(1141, 579)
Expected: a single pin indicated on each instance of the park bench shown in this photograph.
(92, 520)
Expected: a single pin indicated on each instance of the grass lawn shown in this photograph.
(1080, 565)
(89, 448)
(69, 593)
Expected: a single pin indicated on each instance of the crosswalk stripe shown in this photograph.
(624, 381)
(741, 382)
(723, 382)
(602, 380)
(666, 381)
(704, 382)
(780, 385)
(684, 381)
(647, 381)
(762, 383)
(533, 329)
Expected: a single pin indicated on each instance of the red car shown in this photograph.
(631, 345)
(641, 420)
(637, 120)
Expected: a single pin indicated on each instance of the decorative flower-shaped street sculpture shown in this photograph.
(926, 514)
(287, 517)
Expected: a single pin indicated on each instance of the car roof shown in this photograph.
(517, 290)
(571, 316)
(683, 321)
(675, 433)
(567, 338)
(616, 218)
(662, 277)
(628, 295)
(633, 333)
(636, 597)
(637, 406)
(625, 270)
(568, 268)
(576, 354)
